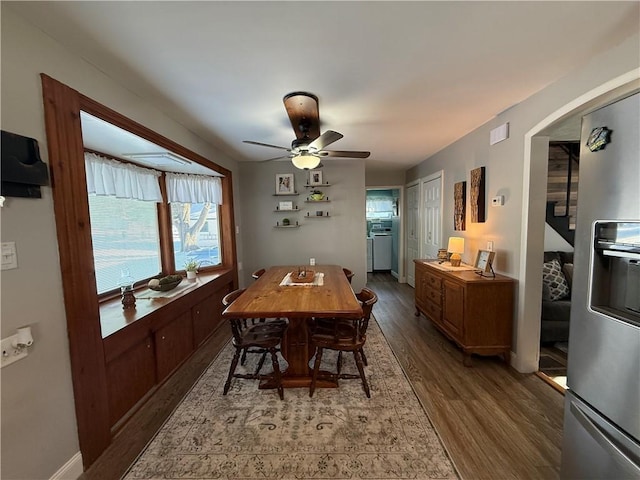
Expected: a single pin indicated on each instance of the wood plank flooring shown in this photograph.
(494, 422)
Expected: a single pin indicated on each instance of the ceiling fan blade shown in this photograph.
(302, 108)
(266, 145)
(327, 138)
(344, 153)
(275, 158)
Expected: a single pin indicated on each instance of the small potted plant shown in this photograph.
(191, 266)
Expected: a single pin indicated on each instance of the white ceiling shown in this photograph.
(400, 79)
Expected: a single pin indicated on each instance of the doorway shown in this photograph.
(536, 153)
(384, 218)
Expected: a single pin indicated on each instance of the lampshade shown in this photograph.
(305, 162)
(455, 247)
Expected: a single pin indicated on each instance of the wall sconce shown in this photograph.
(16, 346)
(455, 247)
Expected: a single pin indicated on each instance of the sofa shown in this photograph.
(557, 278)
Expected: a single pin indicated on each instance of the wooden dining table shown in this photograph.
(268, 298)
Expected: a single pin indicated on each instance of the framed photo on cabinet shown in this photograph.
(484, 262)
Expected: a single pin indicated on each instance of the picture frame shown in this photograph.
(476, 195)
(315, 177)
(285, 205)
(484, 262)
(284, 184)
(459, 203)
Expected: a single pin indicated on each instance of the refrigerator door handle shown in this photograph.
(601, 436)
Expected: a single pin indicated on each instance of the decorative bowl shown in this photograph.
(316, 196)
(165, 287)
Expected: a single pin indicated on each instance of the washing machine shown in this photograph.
(382, 251)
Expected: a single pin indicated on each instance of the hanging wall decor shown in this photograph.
(476, 195)
(460, 198)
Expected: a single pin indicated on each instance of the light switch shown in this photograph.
(9, 256)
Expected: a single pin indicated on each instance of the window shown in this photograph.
(196, 231)
(126, 228)
(125, 235)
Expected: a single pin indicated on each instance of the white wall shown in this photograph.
(523, 188)
(337, 240)
(38, 423)
(554, 242)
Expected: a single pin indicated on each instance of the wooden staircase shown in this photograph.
(562, 188)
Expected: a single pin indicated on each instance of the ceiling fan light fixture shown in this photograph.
(305, 162)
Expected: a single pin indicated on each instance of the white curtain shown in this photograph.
(185, 188)
(122, 180)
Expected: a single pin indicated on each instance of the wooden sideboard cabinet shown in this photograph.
(475, 312)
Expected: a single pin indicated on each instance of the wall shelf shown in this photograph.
(286, 226)
(294, 210)
(286, 194)
(317, 201)
(317, 186)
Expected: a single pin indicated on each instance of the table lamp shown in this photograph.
(455, 247)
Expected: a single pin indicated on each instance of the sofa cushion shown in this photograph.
(567, 269)
(555, 286)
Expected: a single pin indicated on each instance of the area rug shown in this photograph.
(337, 434)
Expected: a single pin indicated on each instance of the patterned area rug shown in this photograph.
(337, 434)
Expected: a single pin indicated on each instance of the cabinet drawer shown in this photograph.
(432, 281)
(433, 311)
(433, 295)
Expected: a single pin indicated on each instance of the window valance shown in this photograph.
(122, 180)
(186, 188)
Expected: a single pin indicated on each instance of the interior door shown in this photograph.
(431, 238)
(413, 231)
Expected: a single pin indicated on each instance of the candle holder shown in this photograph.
(126, 290)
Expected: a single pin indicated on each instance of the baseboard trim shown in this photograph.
(70, 470)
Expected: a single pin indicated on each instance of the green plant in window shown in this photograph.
(191, 266)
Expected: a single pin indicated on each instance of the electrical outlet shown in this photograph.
(490, 246)
(10, 353)
(312, 261)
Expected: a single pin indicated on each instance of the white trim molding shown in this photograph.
(70, 470)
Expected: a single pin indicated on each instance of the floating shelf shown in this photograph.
(317, 201)
(317, 216)
(286, 194)
(318, 186)
(286, 226)
(293, 210)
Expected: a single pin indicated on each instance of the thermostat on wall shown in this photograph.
(497, 201)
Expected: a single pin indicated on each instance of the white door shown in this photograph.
(413, 231)
(431, 238)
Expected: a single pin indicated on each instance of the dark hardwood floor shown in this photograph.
(495, 422)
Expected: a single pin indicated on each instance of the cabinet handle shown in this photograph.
(162, 338)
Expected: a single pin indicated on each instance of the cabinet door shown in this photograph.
(174, 343)
(130, 376)
(206, 315)
(453, 311)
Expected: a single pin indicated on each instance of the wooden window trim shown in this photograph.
(62, 107)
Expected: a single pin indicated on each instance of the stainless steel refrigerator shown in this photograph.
(602, 404)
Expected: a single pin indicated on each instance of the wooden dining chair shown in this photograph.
(249, 337)
(348, 273)
(256, 275)
(343, 335)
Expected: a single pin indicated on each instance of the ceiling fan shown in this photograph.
(309, 146)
